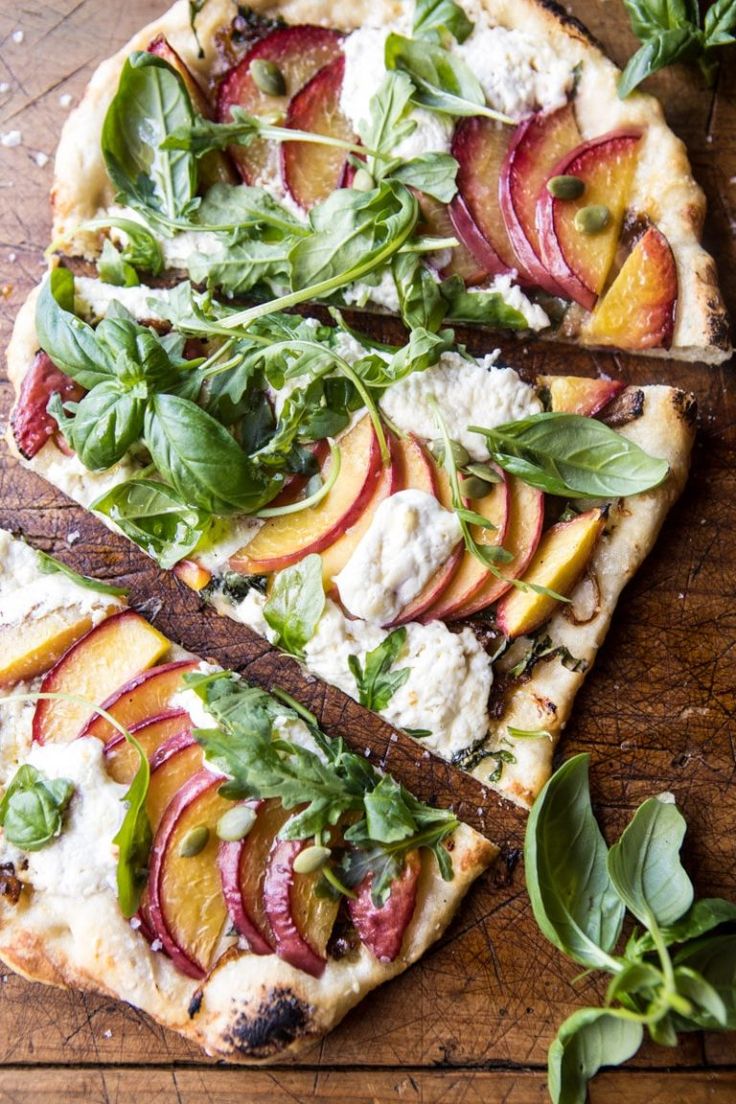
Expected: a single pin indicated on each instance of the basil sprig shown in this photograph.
(436, 19)
(376, 681)
(32, 808)
(295, 604)
(156, 517)
(675, 976)
(573, 456)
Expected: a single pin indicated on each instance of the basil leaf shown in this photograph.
(69, 342)
(49, 566)
(141, 248)
(442, 82)
(435, 19)
(134, 837)
(710, 1009)
(664, 48)
(573, 456)
(587, 1040)
(701, 917)
(720, 23)
(113, 269)
(151, 101)
(573, 899)
(420, 301)
(715, 961)
(32, 806)
(650, 16)
(199, 458)
(432, 173)
(108, 420)
(295, 604)
(377, 683)
(644, 866)
(155, 517)
(237, 268)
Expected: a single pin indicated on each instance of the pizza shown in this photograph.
(197, 847)
(430, 532)
(453, 164)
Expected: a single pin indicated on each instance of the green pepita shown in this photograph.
(267, 77)
(483, 471)
(473, 487)
(566, 187)
(363, 181)
(236, 823)
(194, 841)
(460, 455)
(592, 219)
(311, 859)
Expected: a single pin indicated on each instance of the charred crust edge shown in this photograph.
(570, 23)
(280, 1018)
(686, 406)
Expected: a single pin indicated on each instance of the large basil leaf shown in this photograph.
(645, 868)
(151, 101)
(573, 456)
(108, 420)
(572, 897)
(32, 806)
(134, 838)
(435, 19)
(719, 24)
(442, 82)
(662, 49)
(200, 459)
(714, 959)
(587, 1040)
(295, 604)
(709, 1009)
(155, 517)
(702, 917)
(68, 341)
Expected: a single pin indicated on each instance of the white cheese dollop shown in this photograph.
(468, 392)
(383, 293)
(517, 71)
(92, 298)
(410, 537)
(536, 317)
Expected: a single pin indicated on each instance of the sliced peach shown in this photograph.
(142, 697)
(186, 905)
(579, 262)
(311, 172)
(192, 574)
(229, 859)
(299, 52)
(638, 310)
(382, 928)
(252, 864)
(288, 538)
(32, 648)
(108, 655)
(523, 530)
(300, 921)
(536, 146)
(471, 574)
(438, 220)
(558, 563)
(30, 423)
(577, 395)
(121, 758)
(479, 146)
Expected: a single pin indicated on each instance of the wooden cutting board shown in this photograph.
(473, 1020)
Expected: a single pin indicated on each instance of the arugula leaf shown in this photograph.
(50, 566)
(295, 604)
(377, 683)
(421, 351)
(420, 301)
(156, 517)
(432, 173)
(32, 806)
(141, 248)
(387, 124)
(587, 1040)
(573, 456)
(238, 267)
(134, 837)
(644, 866)
(488, 308)
(240, 207)
(151, 102)
(112, 267)
(70, 343)
(573, 899)
(435, 19)
(106, 422)
(442, 82)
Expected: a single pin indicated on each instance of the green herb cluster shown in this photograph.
(673, 974)
(32, 808)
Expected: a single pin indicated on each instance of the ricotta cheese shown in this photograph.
(536, 317)
(92, 298)
(71, 477)
(468, 392)
(517, 71)
(383, 293)
(224, 538)
(410, 537)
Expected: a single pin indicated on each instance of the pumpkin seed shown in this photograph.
(460, 455)
(267, 77)
(473, 487)
(483, 471)
(236, 823)
(592, 219)
(311, 859)
(566, 187)
(194, 841)
(363, 181)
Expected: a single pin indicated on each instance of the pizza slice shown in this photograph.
(436, 535)
(445, 163)
(180, 840)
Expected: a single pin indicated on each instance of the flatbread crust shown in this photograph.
(664, 188)
(664, 427)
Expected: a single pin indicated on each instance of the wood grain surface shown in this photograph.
(473, 1020)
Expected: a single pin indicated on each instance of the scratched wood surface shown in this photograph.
(471, 1022)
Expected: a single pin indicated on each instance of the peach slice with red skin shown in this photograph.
(311, 172)
(192, 574)
(108, 655)
(31, 425)
(31, 648)
(286, 539)
(121, 757)
(382, 928)
(245, 865)
(300, 921)
(439, 221)
(537, 145)
(230, 857)
(577, 261)
(146, 695)
(563, 554)
(577, 395)
(638, 310)
(300, 52)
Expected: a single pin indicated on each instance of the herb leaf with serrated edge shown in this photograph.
(375, 680)
(32, 806)
(295, 604)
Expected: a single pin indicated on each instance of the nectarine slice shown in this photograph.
(32, 648)
(192, 574)
(577, 395)
(300, 921)
(109, 655)
(560, 559)
(121, 758)
(252, 861)
(638, 310)
(480, 146)
(382, 928)
(32, 426)
(299, 52)
(288, 538)
(579, 262)
(173, 763)
(142, 697)
(229, 859)
(440, 221)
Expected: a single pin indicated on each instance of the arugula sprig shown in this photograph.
(376, 681)
(675, 976)
(674, 31)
